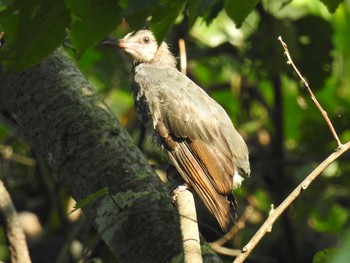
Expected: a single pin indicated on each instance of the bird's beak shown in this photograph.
(110, 41)
(120, 43)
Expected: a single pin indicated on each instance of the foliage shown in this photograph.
(239, 10)
(243, 69)
(84, 29)
(323, 256)
(35, 28)
(89, 199)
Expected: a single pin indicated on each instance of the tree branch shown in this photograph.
(14, 233)
(275, 213)
(306, 85)
(189, 227)
(58, 111)
(266, 227)
(217, 245)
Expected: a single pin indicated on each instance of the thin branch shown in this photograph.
(189, 227)
(275, 213)
(306, 85)
(280, 209)
(240, 224)
(8, 153)
(14, 233)
(183, 56)
(1, 35)
(217, 245)
(185, 200)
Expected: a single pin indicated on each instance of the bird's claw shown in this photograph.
(177, 190)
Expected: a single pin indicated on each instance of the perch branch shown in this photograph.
(306, 85)
(185, 200)
(189, 227)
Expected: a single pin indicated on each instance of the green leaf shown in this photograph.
(314, 45)
(324, 256)
(163, 19)
(333, 222)
(138, 11)
(92, 20)
(343, 253)
(238, 10)
(207, 9)
(33, 30)
(89, 199)
(162, 13)
(332, 5)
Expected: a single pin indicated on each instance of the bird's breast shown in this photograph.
(147, 106)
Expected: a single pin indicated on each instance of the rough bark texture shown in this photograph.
(58, 111)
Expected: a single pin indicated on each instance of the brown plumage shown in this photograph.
(195, 130)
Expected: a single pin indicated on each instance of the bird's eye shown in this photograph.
(146, 40)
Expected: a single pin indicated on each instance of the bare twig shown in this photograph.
(306, 85)
(275, 213)
(8, 153)
(183, 57)
(1, 35)
(293, 195)
(14, 232)
(217, 245)
(189, 227)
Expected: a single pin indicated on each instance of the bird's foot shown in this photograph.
(177, 190)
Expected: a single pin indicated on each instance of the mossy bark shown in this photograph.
(58, 111)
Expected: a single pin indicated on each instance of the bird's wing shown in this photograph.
(191, 169)
(200, 139)
(189, 114)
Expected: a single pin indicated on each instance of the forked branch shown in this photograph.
(266, 227)
(247, 249)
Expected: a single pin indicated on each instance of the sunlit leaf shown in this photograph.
(343, 253)
(324, 256)
(332, 5)
(238, 10)
(333, 222)
(89, 199)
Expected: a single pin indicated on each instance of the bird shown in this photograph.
(185, 122)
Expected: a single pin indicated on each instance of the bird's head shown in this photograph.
(142, 47)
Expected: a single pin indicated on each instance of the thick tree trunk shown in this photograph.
(58, 111)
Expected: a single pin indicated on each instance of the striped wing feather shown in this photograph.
(198, 148)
